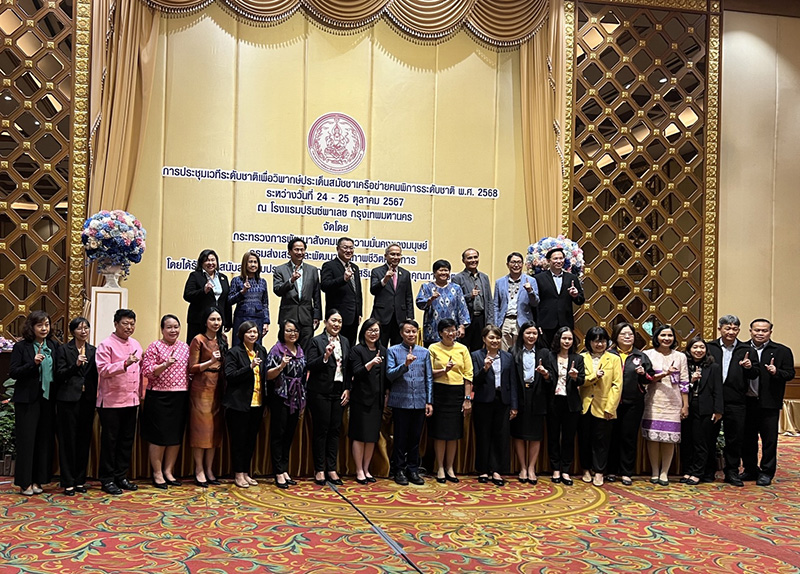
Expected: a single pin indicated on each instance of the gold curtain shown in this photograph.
(543, 93)
(124, 43)
(500, 23)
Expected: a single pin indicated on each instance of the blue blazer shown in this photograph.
(483, 382)
(525, 303)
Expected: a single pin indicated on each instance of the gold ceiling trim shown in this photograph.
(683, 5)
(79, 156)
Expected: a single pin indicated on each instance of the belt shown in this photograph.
(528, 385)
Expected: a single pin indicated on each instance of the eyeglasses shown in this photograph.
(291, 331)
(374, 331)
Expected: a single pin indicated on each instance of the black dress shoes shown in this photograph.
(336, 481)
(201, 483)
(160, 485)
(69, 492)
(734, 480)
(441, 479)
(485, 479)
(81, 488)
(214, 482)
(567, 481)
(748, 476)
(415, 478)
(283, 485)
(173, 482)
(362, 481)
(449, 478)
(498, 481)
(556, 479)
(320, 481)
(126, 484)
(111, 488)
(291, 482)
(763, 480)
(372, 479)
(401, 478)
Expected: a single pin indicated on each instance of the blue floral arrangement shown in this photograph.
(536, 260)
(113, 238)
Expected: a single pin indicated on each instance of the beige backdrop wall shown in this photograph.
(233, 96)
(759, 221)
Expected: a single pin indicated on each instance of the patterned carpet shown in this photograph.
(468, 527)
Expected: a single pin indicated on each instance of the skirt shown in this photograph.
(447, 422)
(164, 417)
(526, 425)
(365, 422)
(205, 412)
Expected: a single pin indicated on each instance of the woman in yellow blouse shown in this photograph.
(600, 396)
(452, 388)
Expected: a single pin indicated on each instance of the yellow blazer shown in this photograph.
(602, 394)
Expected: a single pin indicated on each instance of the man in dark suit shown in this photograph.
(297, 284)
(729, 353)
(342, 285)
(390, 284)
(478, 295)
(559, 290)
(774, 364)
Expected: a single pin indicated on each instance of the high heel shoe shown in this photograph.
(159, 485)
(69, 492)
(450, 478)
(291, 482)
(441, 479)
(81, 488)
(200, 483)
(337, 481)
(283, 485)
(214, 482)
(371, 479)
(170, 481)
(362, 481)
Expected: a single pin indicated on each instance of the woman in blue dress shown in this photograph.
(250, 295)
(441, 299)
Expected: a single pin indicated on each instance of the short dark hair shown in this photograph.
(464, 253)
(761, 320)
(203, 256)
(168, 316)
(519, 343)
(445, 323)
(343, 239)
(31, 321)
(411, 322)
(439, 263)
(661, 328)
(332, 311)
(555, 344)
(244, 328)
(707, 360)
(294, 240)
(121, 314)
(491, 329)
(514, 254)
(554, 250)
(596, 334)
(243, 267)
(77, 322)
(282, 330)
(362, 333)
(618, 329)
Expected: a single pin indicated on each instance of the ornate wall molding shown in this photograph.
(79, 169)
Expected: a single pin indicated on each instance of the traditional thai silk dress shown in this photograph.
(661, 421)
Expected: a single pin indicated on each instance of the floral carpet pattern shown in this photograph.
(383, 528)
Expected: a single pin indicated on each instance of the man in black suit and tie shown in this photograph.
(342, 285)
(478, 295)
(774, 366)
(558, 292)
(297, 284)
(730, 353)
(390, 284)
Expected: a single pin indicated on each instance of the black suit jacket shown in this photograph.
(302, 308)
(388, 300)
(339, 294)
(709, 390)
(199, 301)
(555, 309)
(24, 370)
(735, 385)
(321, 374)
(368, 387)
(573, 394)
(483, 382)
(771, 388)
(74, 382)
(542, 388)
(240, 378)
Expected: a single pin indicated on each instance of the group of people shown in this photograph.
(508, 357)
